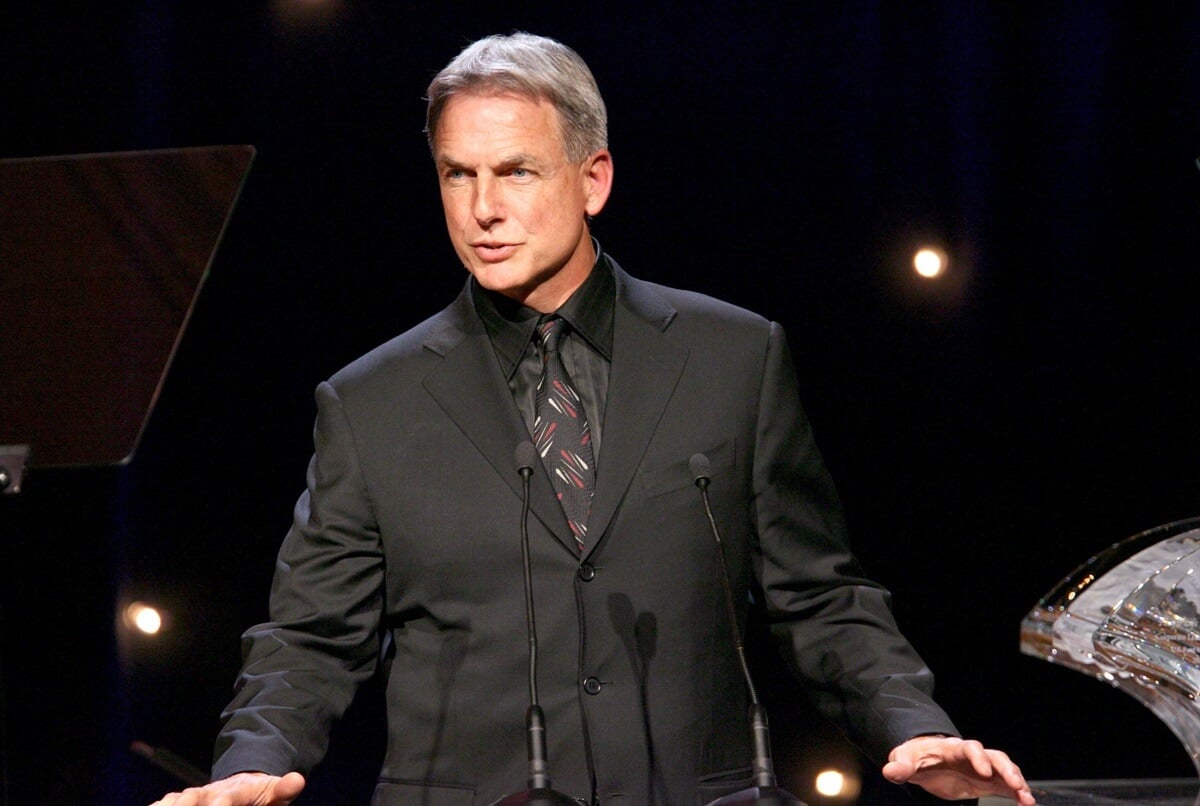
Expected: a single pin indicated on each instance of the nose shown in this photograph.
(487, 205)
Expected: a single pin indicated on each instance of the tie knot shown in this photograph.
(550, 331)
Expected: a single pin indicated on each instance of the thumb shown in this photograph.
(898, 771)
(287, 788)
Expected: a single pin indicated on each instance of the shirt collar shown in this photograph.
(589, 310)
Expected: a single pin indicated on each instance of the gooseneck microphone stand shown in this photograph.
(540, 792)
(764, 792)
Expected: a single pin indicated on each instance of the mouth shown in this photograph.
(493, 252)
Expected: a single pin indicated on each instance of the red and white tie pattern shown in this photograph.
(561, 434)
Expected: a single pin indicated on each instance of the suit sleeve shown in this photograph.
(301, 669)
(833, 625)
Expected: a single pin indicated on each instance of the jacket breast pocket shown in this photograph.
(660, 480)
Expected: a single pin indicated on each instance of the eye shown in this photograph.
(520, 173)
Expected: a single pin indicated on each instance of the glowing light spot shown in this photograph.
(830, 783)
(930, 262)
(143, 618)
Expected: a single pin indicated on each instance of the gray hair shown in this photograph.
(532, 66)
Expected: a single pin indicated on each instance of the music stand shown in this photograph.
(102, 258)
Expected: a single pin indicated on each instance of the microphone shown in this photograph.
(540, 792)
(764, 792)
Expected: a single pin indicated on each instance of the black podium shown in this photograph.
(1150, 792)
(102, 258)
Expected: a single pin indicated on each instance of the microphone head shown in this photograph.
(526, 457)
(699, 467)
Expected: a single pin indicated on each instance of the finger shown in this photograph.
(1009, 772)
(1007, 779)
(1003, 765)
(897, 771)
(288, 787)
(1001, 769)
(979, 758)
(197, 795)
(908, 759)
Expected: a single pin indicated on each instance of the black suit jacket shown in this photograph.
(404, 558)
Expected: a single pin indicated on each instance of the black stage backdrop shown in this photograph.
(987, 434)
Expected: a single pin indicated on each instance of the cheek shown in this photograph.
(454, 210)
(550, 217)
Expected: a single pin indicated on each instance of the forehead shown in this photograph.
(474, 122)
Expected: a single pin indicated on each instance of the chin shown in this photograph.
(501, 278)
(494, 280)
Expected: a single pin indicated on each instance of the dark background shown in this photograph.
(988, 433)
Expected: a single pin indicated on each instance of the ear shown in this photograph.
(597, 180)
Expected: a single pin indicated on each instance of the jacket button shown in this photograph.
(591, 685)
(587, 572)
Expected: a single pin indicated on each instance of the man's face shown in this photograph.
(515, 205)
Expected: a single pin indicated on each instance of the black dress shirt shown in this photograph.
(586, 350)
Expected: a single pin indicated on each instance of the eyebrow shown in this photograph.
(447, 162)
(513, 161)
(520, 159)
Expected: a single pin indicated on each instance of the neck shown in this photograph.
(548, 296)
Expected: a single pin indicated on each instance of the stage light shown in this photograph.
(930, 262)
(838, 786)
(830, 783)
(143, 618)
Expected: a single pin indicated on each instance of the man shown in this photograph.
(404, 557)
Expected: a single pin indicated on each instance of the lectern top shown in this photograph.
(102, 257)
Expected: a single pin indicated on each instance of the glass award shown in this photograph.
(1130, 616)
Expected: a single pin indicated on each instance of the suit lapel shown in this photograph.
(471, 390)
(646, 367)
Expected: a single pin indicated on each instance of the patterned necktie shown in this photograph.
(560, 432)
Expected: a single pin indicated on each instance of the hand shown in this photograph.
(243, 789)
(956, 769)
